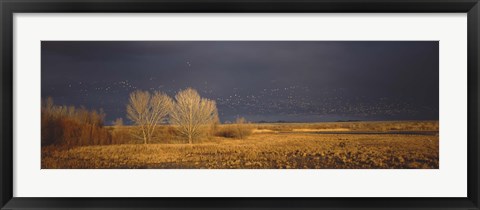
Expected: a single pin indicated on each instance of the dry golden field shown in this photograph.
(349, 145)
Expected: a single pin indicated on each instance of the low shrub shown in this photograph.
(240, 130)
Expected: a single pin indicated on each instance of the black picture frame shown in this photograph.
(9, 7)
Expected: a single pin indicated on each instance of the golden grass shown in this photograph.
(355, 126)
(263, 131)
(321, 130)
(264, 150)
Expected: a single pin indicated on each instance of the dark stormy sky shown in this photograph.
(261, 80)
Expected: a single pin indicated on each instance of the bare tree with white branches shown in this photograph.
(148, 110)
(190, 112)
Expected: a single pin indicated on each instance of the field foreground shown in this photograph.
(262, 150)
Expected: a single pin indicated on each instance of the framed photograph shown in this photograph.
(239, 104)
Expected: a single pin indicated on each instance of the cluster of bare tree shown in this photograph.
(188, 112)
(189, 115)
(69, 126)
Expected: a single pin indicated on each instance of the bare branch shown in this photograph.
(190, 112)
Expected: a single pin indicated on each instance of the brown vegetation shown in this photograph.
(269, 150)
(77, 138)
(69, 126)
(380, 126)
(239, 130)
